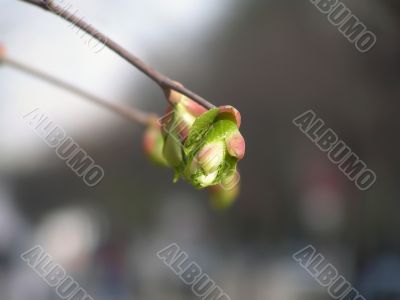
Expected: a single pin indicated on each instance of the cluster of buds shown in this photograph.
(202, 146)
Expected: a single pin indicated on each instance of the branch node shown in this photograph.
(163, 81)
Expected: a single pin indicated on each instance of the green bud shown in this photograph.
(213, 147)
(202, 146)
(153, 144)
(211, 156)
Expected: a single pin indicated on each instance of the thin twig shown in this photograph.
(132, 114)
(163, 81)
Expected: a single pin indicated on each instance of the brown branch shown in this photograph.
(163, 81)
(132, 114)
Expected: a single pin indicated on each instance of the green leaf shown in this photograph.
(220, 130)
(173, 150)
(209, 131)
(227, 169)
(200, 127)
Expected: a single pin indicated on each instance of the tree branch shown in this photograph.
(163, 81)
(133, 115)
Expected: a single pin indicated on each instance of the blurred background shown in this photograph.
(271, 59)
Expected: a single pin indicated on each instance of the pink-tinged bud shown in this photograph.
(193, 107)
(153, 144)
(236, 145)
(228, 111)
(179, 122)
(180, 115)
(173, 96)
(149, 141)
(189, 105)
(186, 112)
(203, 146)
(2, 52)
